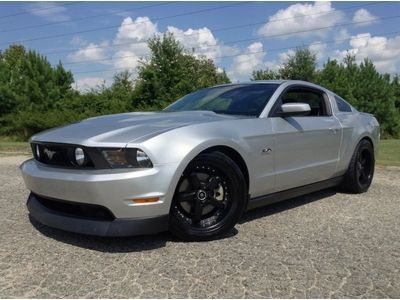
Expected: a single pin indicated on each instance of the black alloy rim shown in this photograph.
(364, 167)
(202, 199)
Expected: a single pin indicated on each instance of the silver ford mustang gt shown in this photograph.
(196, 166)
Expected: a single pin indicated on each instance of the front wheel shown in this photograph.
(361, 168)
(209, 199)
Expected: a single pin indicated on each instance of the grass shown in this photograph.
(9, 147)
(389, 151)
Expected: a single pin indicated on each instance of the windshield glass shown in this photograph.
(239, 99)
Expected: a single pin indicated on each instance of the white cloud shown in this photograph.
(126, 59)
(90, 52)
(133, 35)
(383, 51)
(202, 42)
(284, 56)
(140, 29)
(130, 44)
(273, 65)
(244, 64)
(129, 56)
(302, 17)
(364, 16)
(78, 41)
(341, 36)
(50, 11)
(277, 64)
(319, 49)
(87, 83)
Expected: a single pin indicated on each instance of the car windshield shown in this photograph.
(238, 99)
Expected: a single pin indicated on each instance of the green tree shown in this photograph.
(10, 68)
(300, 66)
(32, 92)
(365, 88)
(334, 77)
(266, 74)
(120, 93)
(375, 94)
(172, 72)
(396, 87)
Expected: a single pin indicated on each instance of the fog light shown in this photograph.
(80, 157)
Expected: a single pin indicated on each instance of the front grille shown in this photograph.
(76, 209)
(51, 154)
(58, 155)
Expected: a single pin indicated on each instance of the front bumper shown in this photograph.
(107, 228)
(112, 189)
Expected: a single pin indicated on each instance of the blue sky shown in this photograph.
(264, 34)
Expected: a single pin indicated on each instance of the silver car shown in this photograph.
(196, 166)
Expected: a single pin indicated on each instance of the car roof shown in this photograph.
(254, 82)
(302, 82)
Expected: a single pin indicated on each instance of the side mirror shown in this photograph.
(295, 109)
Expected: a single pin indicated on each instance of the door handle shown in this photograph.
(334, 130)
(266, 150)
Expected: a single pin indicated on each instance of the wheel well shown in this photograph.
(367, 138)
(235, 156)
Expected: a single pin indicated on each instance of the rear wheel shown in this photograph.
(209, 199)
(361, 168)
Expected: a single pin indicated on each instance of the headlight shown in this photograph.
(143, 160)
(80, 157)
(127, 158)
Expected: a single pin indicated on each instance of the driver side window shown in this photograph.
(314, 98)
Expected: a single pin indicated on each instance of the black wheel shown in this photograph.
(361, 168)
(209, 199)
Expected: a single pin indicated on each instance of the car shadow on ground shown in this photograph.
(114, 244)
(151, 242)
(286, 205)
(105, 244)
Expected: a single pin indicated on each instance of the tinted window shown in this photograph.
(313, 98)
(239, 99)
(342, 105)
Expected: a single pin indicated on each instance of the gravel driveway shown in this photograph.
(327, 244)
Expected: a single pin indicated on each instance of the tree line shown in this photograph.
(360, 84)
(35, 96)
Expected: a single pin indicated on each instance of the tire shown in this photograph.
(210, 198)
(359, 175)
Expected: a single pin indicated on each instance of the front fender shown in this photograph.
(195, 151)
(182, 145)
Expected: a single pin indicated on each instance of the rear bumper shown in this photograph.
(106, 228)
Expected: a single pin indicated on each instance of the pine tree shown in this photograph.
(32, 92)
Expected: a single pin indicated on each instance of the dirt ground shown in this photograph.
(327, 244)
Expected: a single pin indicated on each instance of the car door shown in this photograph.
(306, 147)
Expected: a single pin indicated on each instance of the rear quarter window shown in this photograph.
(342, 105)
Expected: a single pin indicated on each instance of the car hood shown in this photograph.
(124, 128)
